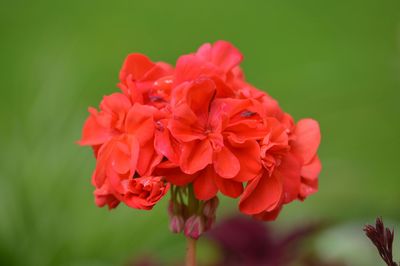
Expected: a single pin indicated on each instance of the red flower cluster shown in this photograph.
(199, 123)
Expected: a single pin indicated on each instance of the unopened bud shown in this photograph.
(194, 227)
(209, 222)
(210, 207)
(176, 224)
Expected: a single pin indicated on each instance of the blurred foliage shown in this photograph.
(335, 61)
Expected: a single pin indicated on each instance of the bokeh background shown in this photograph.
(335, 61)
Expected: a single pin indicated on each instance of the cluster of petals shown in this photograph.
(199, 123)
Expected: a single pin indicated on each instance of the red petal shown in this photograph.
(268, 216)
(226, 55)
(289, 172)
(174, 174)
(115, 180)
(160, 69)
(248, 155)
(246, 130)
(190, 67)
(93, 133)
(229, 187)
(148, 158)
(234, 106)
(222, 54)
(136, 65)
(204, 185)
(103, 162)
(311, 170)
(196, 155)
(225, 163)
(308, 138)
(117, 103)
(134, 154)
(139, 122)
(204, 52)
(121, 159)
(165, 144)
(185, 131)
(307, 188)
(261, 194)
(199, 96)
(105, 195)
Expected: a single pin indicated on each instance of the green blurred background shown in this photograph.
(335, 61)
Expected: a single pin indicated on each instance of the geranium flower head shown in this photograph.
(197, 130)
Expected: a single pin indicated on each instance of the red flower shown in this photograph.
(200, 124)
(145, 82)
(217, 134)
(144, 192)
(218, 62)
(127, 152)
(110, 121)
(291, 172)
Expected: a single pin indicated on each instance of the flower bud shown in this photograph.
(194, 227)
(210, 207)
(176, 224)
(209, 222)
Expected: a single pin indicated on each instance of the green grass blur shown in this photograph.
(335, 61)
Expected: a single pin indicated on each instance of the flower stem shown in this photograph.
(191, 252)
